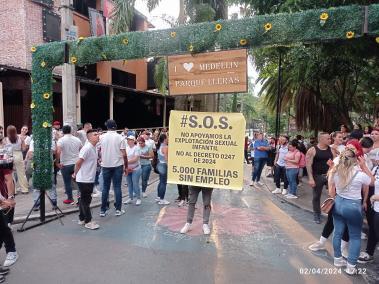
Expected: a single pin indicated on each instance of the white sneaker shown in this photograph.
(81, 223)
(339, 262)
(10, 259)
(317, 246)
(291, 196)
(128, 201)
(92, 225)
(260, 183)
(181, 203)
(138, 202)
(206, 229)
(163, 202)
(186, 228)
(144, 195)
(277, 190)
(363, 236)
(284, 192)
(251, 183)
(119, 212)
(157, 199)
(364, 257)
(351, 269)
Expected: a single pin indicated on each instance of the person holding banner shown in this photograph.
(162, 169)
(193, 195)
(261, 148)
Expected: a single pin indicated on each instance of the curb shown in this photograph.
(21, 219)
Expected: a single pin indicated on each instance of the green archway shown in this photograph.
(341, 23)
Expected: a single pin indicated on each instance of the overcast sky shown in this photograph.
(171, 8)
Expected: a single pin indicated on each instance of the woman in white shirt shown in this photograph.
(345, 184)
(134, 170)
(18, 145)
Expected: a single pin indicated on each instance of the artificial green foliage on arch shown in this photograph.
(342, 23)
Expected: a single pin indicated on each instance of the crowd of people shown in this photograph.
(347, 164)
(90, 161)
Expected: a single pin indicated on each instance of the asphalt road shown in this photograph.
(255, 239)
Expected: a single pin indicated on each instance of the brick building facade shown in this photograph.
(106, 89)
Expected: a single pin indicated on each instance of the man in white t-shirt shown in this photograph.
(148, 141)
(114, 163)
(68, 148)
(84, 174)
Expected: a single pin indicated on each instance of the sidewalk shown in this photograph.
(24, 202)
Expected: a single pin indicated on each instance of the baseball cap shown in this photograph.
(131, 137)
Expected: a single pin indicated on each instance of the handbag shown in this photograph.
(328, 204)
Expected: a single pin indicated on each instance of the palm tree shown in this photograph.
(122, 15)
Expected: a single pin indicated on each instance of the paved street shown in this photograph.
(256, 238)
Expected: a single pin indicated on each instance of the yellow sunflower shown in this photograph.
(43, 64)
(268, 27)
(377, 40)
(33, 49)
(190, 48)
(32, 105)
(350, 35)
(46, 96)
(218, 27)
(125, 41)
(81, 38)
(173, 34)
(243, 41)
(73, 60)
(324, 16)
(45, 124)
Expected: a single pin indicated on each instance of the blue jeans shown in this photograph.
(292, 180)
(259, 164)
(67, 171)
(347, 212)
(146, 170)
(162, 169)
(113, 175)
(133, 183)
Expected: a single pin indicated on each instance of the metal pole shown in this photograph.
(278, 99)
(111, 96)
(164, 111)
(68, 70)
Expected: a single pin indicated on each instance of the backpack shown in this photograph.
(302, 160)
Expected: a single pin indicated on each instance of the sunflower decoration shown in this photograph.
(190, 48)
(350, 35)
(243, 41)
(377, 40)
(43, 64)
(268, 27)
(173, 34)
(80, 39)
(218, 27)
(323, 18)
(32, 105)
(73, 59)
(46, 96)
(125, 41)
(104, 56)
(45, 124)
(33, 49)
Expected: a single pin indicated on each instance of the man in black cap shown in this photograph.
(114, 163)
